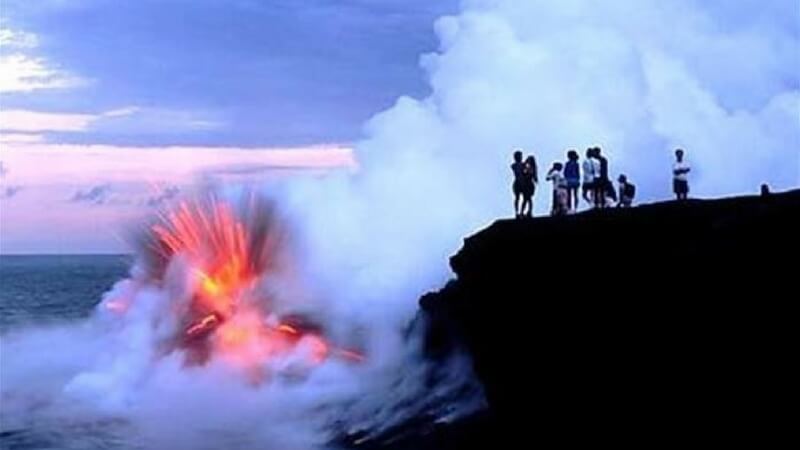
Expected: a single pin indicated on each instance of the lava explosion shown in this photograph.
(228, 257)
(219, 338)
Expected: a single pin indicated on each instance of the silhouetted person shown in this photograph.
(602, 182)
(518, 169)
(680, 176)
(591, 169)
(765, 190)
(572, 174)
(530, 179)
(627, 191)
(559, 206)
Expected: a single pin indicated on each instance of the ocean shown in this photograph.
(36, 290)
(46, 339)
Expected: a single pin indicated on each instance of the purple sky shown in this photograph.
(112, 108)
(109, 108)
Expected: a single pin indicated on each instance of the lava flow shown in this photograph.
(228, 254)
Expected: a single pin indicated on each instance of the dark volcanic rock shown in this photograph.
(665, 323)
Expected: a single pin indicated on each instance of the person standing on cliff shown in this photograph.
(530, 180)
(591, 168)
(518, 169)
(572, 173)
(680, 176)
(559, 207)
(602, 182)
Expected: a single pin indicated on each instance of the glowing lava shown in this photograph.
(230, 252)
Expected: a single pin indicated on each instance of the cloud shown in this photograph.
(59, 180)
(48, 164)
(9, 138)
(633, 76)
(163, 197)
(97, 195)
(17, 39)
(31, 121)
(142, 121)
(549, 76)
(3, 169)
(127, 120)
(22, 71)
(318, 86)
(10, 191)
(121, 112)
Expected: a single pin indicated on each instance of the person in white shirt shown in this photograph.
(559, 189)
(589, 176)
(680, 176)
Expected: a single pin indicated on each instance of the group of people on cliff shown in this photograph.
(589, 179)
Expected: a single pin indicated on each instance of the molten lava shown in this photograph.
(230, 252)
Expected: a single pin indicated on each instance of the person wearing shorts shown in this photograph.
(680, 176)
(572, 174)
(590, 171)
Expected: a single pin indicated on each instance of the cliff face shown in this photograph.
(665, 322)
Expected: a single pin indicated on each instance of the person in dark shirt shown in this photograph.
(530, 179)
(572, 175)
(518, 168)
(602, 183)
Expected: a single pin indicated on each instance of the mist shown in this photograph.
(637, 78)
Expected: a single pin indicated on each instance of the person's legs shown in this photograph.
(569, 197)
(604, 193)
(600, 194)
(517, 195)
(526, 205)
(611, 193)
(681, 189)
(572, 197)
(587, 193)
(530, 201)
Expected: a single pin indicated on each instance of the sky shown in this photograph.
(110, 109)
(394, 122)
(107, 105)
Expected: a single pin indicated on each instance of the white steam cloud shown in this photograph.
(636, 77)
